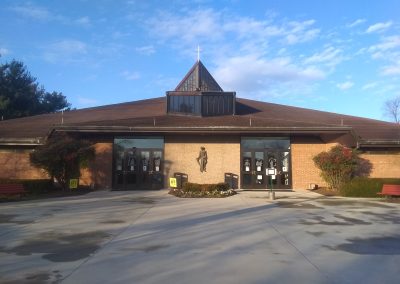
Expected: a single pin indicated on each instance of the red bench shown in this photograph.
(390, 190)
(12, 189)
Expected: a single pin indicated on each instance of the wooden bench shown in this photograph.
(12, 189)
(390, 190)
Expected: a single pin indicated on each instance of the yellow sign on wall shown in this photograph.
(73, 183)
(172, 182)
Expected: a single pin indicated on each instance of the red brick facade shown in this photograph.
(224, 156)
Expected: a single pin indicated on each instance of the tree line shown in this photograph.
(21, 95)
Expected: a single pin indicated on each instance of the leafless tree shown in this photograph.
(392, 109)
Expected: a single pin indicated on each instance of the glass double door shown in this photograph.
(139, 169)
(260, 168)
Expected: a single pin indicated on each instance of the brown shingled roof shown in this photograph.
(149, 113)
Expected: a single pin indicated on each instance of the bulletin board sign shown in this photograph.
(73, 183)
(172, 182)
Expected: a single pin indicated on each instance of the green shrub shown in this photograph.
(192, 187)
(32, 186)
(38, 186)
(191, 190)
(222, 186)
(62, 157)
(337, 166)
(365, 187)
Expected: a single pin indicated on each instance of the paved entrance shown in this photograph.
(151, 237)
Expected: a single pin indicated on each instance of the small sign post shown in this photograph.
(73, 183)
(172, 182)
(271, 173)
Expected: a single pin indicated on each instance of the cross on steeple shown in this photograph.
(198, 53)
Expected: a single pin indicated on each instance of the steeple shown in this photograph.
(198, 94)
(198, 79)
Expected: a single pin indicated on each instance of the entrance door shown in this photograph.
(150, 171)
(139, 169)
(253, 169)
(254, 165)
(279, 160)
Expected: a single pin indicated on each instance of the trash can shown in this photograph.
(181, 179)
(228, 179)
(235, 181)
(232, 180)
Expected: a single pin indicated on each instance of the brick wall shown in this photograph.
(304, 172)
(99, 172)
(15, 164)
(384, 165)
(223, 157)
(181, 153)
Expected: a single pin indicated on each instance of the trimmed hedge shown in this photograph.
(194, 190)
(366, 187)
(195, 187)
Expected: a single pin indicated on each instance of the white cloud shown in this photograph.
(4, 51)
(330, 56)
(369, 86)
(70, 46)
(301, 32)
(250, 28)
(39, 13)
(386, 43)
(82, 101)
(391, 70)
(345, 85)
(146, 50)
(387, 50)
(31, 11)
(83, 21)
(119, 34)
(130, 76)
(65, 50)
(356, 23)
(208, 25)
(379, 27)
(250, 73)
(292, 32)
(191, 28)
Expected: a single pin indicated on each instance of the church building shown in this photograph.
(205, 133)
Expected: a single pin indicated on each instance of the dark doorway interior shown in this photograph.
(260, 154)
(137, 168)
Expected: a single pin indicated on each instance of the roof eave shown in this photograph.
(380, 143)
(205, 129)
(21, 141)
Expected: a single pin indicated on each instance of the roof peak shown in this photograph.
(198, 79)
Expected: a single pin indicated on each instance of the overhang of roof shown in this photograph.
(206, 129)
(379, 144)
(21, 141)
(252, 117)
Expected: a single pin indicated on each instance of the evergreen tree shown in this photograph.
(21, 95)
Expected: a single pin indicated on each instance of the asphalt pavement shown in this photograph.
(152, 237)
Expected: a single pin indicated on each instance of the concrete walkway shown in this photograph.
(151, 237)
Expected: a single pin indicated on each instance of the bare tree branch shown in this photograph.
(392, 109)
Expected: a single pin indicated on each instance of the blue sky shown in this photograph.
(338, 56)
